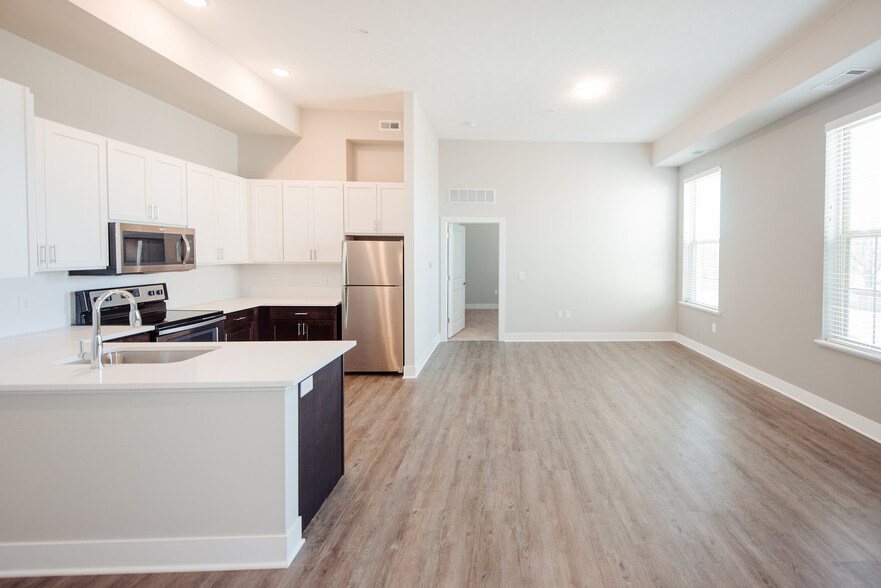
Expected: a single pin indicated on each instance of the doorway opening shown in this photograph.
(473, 288)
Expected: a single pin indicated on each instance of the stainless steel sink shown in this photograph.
(133, 356)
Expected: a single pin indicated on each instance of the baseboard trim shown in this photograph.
(848, 418)
(481, 306)
(594, 337)
(197, 554)
(411, 372)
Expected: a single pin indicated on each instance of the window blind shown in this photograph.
(852, 239)
(700, 239)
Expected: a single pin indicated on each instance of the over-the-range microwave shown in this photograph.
(146, 249)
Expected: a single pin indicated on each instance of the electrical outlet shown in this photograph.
(522, 275)
(568, 314)
(713, 327)
(559, 314)
(497, 291)
(22, 304)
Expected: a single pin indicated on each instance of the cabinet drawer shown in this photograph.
(241, 325)
(302, 312)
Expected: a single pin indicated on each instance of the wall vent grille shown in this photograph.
(840, 80)
(389, 125)
(473, 195)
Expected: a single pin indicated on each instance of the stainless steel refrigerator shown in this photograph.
(373, 305)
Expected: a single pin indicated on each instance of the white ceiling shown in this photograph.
(510, 67)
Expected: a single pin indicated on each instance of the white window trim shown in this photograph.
(834, 343)
(709, 309)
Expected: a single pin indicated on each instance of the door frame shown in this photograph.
(444, 232)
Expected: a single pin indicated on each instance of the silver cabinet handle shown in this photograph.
(301, 314)
(52, 258)
(156, 212)
(41, 255)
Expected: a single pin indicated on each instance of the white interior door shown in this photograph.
(455, 279)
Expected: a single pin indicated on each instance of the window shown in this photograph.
(700, 239)
(852, 240)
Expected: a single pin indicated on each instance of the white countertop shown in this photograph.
(236, 304)
(263, 364)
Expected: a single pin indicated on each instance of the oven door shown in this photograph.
(210, 331)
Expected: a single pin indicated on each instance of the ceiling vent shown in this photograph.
(473, 195)
(389, 125)
(840, 80)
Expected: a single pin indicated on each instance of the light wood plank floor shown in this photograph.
(580, 464)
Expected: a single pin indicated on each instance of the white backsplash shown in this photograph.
(320, 280)
(45, 301)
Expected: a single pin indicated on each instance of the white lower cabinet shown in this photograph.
(71, 211)
(217, 208)
(17, 169)
(374, 209)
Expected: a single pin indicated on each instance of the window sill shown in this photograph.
(851, 349)
(699, 307)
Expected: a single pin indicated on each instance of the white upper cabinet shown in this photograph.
(231, 219)
(372, 208)
(201, 188)
(144, 186)
(327, 222)
(313, 222)
(17, 177)
(267, 240)
(71, 211)
(390, 201)
(217, 205)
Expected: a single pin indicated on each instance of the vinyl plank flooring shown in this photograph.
(578, 464)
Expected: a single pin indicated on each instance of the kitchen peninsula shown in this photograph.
(188, 465)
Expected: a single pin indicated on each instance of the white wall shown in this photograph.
(481, 265)
(771, 259)
(422, 239)
(69, 93)
(321, 280)
(592, 226)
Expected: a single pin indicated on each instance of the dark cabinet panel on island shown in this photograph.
(144, 337)
(320, 437)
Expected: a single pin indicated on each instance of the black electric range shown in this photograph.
(169, 325)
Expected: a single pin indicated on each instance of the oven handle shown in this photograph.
(164, 332)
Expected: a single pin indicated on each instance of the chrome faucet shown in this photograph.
(134, 319)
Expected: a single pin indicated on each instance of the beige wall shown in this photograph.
(322, 153)
(592, 226)
(771, 260)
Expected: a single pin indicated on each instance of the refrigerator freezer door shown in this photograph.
(370, 263)
(374, 317)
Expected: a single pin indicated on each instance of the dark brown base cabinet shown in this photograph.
(320, 438)
(301, 323)
(136, 338)
(242, 325)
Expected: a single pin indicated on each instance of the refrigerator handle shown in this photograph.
(345, 264)
(345, 307)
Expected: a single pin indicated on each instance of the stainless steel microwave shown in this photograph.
(145, 249)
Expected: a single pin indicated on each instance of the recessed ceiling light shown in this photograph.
(197, 3)
(281, 72)
(469, 123)
(590, 89)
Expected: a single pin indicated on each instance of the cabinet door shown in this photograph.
(320, 330)
(391, 208)
(360, 208)
(232, 219)
(266, 221)
(327, 218)
(200, 211)
(128, 183)
(298, 222)
(71, 198)
(168, 190)
(16, 176)
(241, 325)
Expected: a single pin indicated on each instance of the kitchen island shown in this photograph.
(191, 465)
